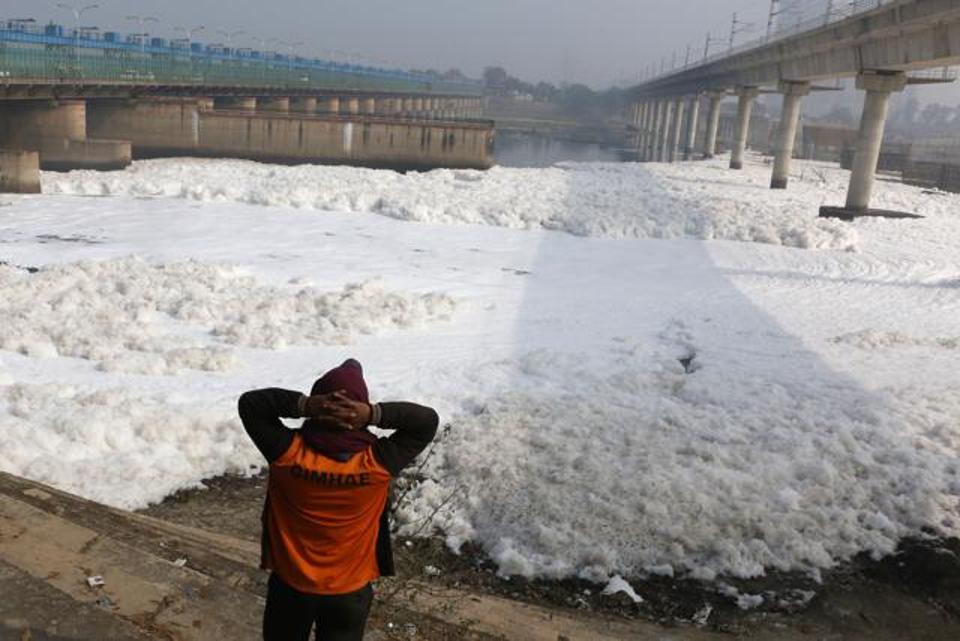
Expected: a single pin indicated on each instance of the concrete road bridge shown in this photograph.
(86, 99)
(885, 45)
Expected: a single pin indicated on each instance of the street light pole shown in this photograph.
(188, 34)
(229, 36)
(290, 46)
(142, 21)
(77, 13)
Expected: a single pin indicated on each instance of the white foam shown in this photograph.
(602, 200)
(130, 316)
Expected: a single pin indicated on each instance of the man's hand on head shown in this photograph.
(345, 412)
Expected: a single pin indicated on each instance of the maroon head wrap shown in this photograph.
(331, 441)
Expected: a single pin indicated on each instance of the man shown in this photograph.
(325, 533)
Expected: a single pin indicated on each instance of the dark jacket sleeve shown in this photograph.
(261, 411)
(415, 427)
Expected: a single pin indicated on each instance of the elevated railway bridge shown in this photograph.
(885, 45)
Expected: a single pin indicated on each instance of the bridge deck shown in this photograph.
(899, 35)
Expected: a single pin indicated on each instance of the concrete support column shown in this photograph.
(274, 103)
(418, 107)
(746, 96)
(349, 105)
(368, 106)
(693, 123)
(303, 105)
(677, 131)
(793, 93)
(870, 138)
(205, 104)
(235, 103)
(58, 130)
(649, 129)
(329, 105)
(713, 123)
(19, 172)
(655, 123)
(663, 135)
(641, 126)
(406, 107)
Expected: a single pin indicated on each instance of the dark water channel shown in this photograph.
(526, 150)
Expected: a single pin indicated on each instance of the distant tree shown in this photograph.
(840, 114)
(453, 74)
(936, 117)
(544, 92)
(904, 114)
(496, 78)
(577, 99)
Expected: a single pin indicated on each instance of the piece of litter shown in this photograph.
(105, 601)
(618, 584)
(702, 615)
(95, 581)
(180, 563)
(431, 570)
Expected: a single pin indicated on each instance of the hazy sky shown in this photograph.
(596, 42)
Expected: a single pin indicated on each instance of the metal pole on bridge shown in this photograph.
(142, 21)
(77, 14)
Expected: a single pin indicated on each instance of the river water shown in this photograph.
(525, 150)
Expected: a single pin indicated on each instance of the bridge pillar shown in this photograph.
(649, 129)
(744, 109)
(793, 93)
(328, 105)
(235, 103)
(872, 123)
(677, 132)
(713, 123)
(349, 105)
(58, 130)
(693, 122)
(656, 122)
(406, 107)
(273, 103)
(368, 106)
(663, 135)
(641, 121)
(19, 171)
(303, 105)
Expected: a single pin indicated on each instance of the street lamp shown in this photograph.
(188, 35)
(230, 36)
(142, 21)
(77, 13)
(290, 47)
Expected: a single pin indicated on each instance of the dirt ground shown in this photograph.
(912, 595)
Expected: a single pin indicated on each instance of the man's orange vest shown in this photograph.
(322, 519)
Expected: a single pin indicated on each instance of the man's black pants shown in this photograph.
(290, 614)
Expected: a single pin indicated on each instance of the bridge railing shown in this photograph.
(63, 58)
